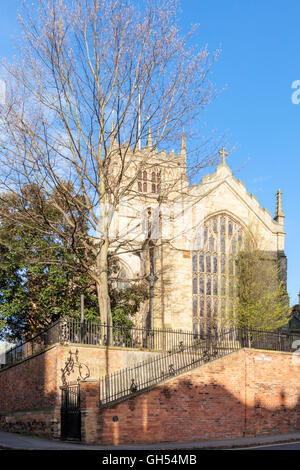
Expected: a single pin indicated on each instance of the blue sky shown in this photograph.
(260, 42)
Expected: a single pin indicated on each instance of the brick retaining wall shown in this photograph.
(248, 392)
(30, 393)
(244, 394)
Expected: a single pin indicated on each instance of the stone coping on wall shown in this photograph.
(118, 348)
(79, 345)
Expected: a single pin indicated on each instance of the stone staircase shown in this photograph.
(147, 374)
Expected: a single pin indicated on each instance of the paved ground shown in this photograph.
(287, 446)
(20, 442)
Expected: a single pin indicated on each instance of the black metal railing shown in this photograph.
(93, 333)
(67, 330)
(124, 383)
(272, 341)
(34, 345)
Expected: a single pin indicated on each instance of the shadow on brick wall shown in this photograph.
(187, 411)
(29, 402)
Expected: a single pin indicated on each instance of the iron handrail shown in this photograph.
(122, 384)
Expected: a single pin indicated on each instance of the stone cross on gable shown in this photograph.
(224, 154)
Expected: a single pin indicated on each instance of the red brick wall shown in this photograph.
(247, 393)
(28, 395)
(30, 384)
(35, 382)
(89, 401)
(272, 392)
(30, 391)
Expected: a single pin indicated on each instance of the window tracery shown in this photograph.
(214, 271)
(119, 276)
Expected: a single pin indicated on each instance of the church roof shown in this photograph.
(223, 177)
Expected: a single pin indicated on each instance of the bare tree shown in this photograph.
(93, 76)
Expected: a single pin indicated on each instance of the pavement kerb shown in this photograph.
(242, 443)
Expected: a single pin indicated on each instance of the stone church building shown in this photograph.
(183, 238)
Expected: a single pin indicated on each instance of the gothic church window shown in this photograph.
(119, 277)
(156, 182)
(144, 181)
(214, 269)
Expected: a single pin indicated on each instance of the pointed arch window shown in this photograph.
(214, 269)
(144, 181)
(155, 182)
(140, 181)
(119, 276)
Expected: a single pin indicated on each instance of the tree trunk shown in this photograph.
(102, 285)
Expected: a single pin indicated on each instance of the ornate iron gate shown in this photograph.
(70, 412)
